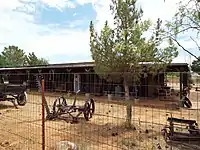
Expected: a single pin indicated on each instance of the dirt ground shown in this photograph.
(21, 129)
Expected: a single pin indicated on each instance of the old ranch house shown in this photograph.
(70, 77)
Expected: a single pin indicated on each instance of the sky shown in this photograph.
(57, 30)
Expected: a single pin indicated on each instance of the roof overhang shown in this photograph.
(173, 66)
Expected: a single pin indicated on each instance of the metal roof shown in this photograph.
(75, 65)
(51, 66)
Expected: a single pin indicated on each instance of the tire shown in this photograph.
(187, 103)
(22, 99)
(92, 105)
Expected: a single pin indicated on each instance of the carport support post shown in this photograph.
(69, 88)
(181, 84)
(28, 78)
(43, 118)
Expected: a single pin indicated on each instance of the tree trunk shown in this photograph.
(128, 106)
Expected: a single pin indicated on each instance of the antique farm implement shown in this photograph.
(11, 92)
(171, 132)
(61, 108)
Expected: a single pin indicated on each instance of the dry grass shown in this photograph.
(21, 128)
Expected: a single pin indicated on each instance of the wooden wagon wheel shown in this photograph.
(89, 109)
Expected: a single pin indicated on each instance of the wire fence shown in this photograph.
(103, 125)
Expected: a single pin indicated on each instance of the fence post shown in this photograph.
(43, 117)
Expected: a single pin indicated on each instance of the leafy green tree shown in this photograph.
(42, 61)
(33, 60)
(196, 66)
(12, 56)
(2, 61)
(185, 20)
(119, 51)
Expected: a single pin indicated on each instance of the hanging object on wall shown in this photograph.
(51, 77)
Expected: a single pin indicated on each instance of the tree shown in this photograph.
(196, 66)
(186, 19)
(2, 61)
(33, 60)
(119, 51)
(12, 56)
(42, 61)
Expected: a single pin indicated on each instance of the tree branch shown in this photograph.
(184, 48)
(195, 43)
(174, 39)
(196, 23)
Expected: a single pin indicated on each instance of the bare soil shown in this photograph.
(21, 129)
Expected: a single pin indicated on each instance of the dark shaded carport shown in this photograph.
(183, 70)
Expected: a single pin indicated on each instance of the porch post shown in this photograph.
(53, 71)
(28, 74)
(52, 80)
(181, 84)
(185, 79)
(181, 81)
(39, 72)
(87, 90)
(69, 88)
(28, 79)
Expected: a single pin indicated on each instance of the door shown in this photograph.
(76, 82)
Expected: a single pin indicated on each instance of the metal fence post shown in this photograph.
(43, 118)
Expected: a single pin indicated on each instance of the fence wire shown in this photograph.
(22, 129)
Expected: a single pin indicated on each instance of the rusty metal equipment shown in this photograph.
(61, 107)
(175, 131)
(11, 92)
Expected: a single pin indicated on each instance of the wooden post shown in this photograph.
(69, 87)
(181, 85)
(87, 80)
(43, 117)
(28, 79)
(53, 84)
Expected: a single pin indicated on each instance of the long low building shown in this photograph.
(70, 77)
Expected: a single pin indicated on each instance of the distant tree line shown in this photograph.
(13, 56)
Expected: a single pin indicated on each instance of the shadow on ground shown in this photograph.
(4, 106)
(68, 119)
